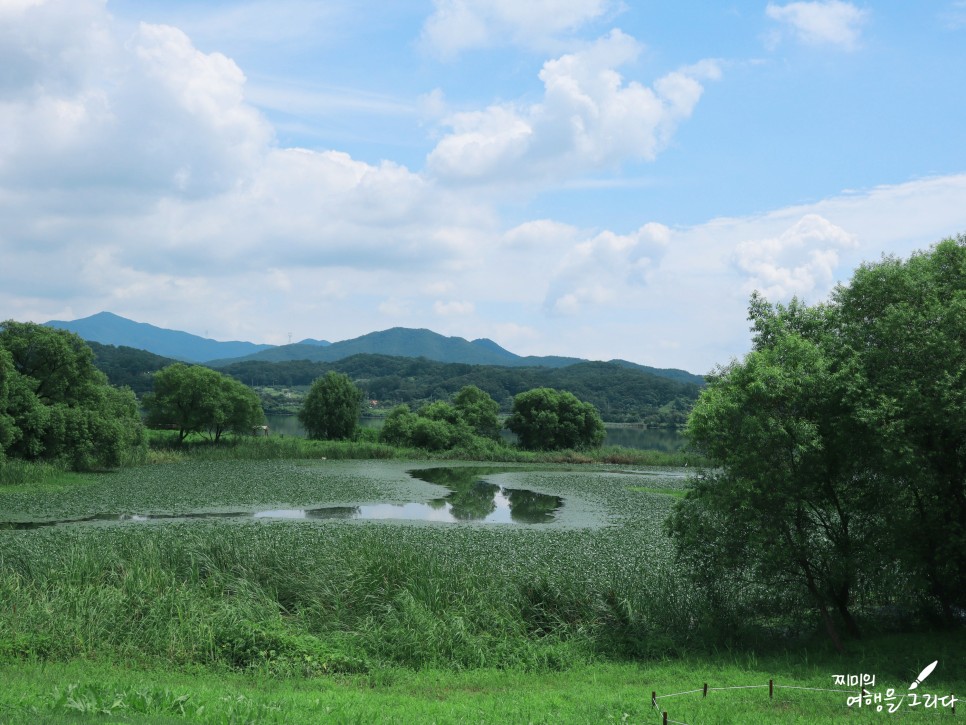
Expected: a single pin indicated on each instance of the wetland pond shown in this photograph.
(471, 498)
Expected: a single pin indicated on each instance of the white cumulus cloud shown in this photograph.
(801, 261)
(597, 271)
(830, 22)
(589, 117)
(84, 108)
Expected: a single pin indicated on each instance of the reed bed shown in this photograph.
(310, 598)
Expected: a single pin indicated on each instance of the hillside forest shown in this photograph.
(621, 392)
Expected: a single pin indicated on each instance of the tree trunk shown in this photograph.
(851, 626)
(822, 606)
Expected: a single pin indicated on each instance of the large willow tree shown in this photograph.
(838, 451)
(196, 399)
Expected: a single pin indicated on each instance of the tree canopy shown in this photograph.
(548, 419)
(620, 391)
(331, 409)
(196, 399)
(838, 450)
(443, 425)
(55, 405)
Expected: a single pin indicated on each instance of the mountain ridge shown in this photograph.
(110, 329)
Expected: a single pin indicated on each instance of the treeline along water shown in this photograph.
(628, 436)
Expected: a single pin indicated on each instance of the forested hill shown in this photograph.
(128, 366)
(620, 392)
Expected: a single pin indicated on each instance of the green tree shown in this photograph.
(397, 429)
(54, 404)
(196, 399)
(478, 410)
(838, 449)
(906, 322)
(237, 411)
(9, 431)
(548, 419)
(331, 409)
(789, 507)
(436, 426)
(185, 397)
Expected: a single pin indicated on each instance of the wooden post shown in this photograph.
(954, 702)
(771, 689)
(653, 699)
(665, 718)
(705, 689)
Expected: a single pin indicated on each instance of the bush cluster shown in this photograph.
(470, 420)
(55, 405)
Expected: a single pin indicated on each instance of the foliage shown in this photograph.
(435, 427)
(906, 322)
(838, 451)
(331, 409)
(548, 419)
(620, 391)
(8, 425)
(196, 399)
(128, 366)
(790, 503)
(478, 410)
(467, 422)
(56, 405)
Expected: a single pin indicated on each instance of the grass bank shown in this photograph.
(594, 693)
(164, 447)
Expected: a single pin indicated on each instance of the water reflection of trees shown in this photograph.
(473, 498)
(333, 512)
(528, 507)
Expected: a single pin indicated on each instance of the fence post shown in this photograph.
(665, 717)
(771, 689)
(705, 689)
(954, 702)
(654, 699)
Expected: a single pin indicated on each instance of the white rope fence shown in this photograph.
(771, 693)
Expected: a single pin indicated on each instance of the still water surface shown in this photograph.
(471, 498)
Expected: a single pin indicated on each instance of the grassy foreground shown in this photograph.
(593, 693)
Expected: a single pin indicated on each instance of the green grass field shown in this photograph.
(247, 620)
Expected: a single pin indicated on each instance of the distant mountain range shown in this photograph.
(110, 329)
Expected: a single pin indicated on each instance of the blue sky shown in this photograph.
(595, 178)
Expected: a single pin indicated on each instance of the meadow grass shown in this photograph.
(586, 693)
